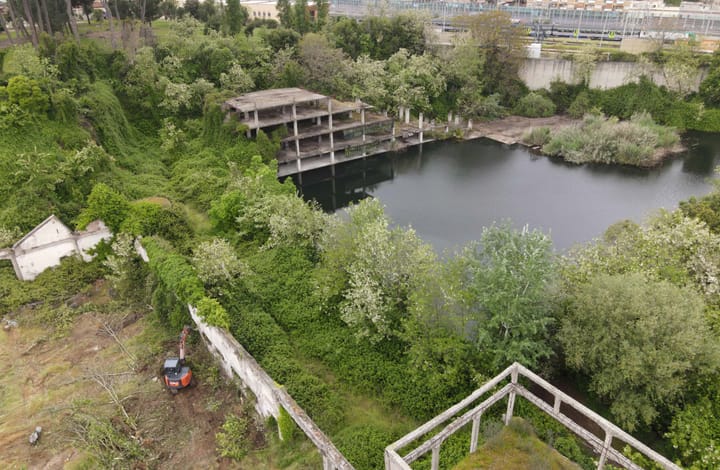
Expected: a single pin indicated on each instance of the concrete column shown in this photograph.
(457, 120)
(407, 115)
(420, 124)
(475, 433)
(295, 133)
(257, 119)
(511, 397)
(362, 120)
(401, 112)
(605, 450)
(330, 123)
(469, 124)
(392, 139)
(449, 117)
(435, 462)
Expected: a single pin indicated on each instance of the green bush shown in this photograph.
(232, 439)
(364, 446)
(27, 94)
(581, 105)
(286, 426)
(534, 105)
(564, 94)
(603, 140)
(538, 136)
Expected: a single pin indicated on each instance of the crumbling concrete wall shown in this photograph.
(236, 361)
(49, 242)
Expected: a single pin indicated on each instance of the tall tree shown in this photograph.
(71, 20)
(108, 13)
(284, 9)
(235, 16)
(641, 342)
(7, 31)
(18, 25)
(46, 16)
(31, 20)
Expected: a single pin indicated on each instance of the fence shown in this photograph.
(603, 447)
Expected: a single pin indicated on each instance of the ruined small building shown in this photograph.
(316, 130)
(45, 245)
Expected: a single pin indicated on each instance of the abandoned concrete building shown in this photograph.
(316, 130)
(49, 242)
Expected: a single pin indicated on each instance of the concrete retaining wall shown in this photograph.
(539, 73)
(236, 361)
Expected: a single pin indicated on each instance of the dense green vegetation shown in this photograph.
(637, 141)
(335, 307)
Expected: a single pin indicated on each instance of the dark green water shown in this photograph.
(449, 191)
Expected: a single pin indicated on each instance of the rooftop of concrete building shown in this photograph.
(266, 99)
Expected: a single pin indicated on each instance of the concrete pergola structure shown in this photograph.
(602, 436)
(322, 131)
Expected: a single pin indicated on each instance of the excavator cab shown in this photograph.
(177, 375)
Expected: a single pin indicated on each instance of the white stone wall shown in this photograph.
(86, 242)
(36, 260)
(235, 360)
(48, 243)
(51, 231)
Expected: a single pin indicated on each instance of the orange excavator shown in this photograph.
(177, 374)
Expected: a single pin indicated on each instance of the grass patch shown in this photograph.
(516, 447)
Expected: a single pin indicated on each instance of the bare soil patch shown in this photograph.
(48, 381)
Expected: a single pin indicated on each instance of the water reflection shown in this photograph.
(449, 191)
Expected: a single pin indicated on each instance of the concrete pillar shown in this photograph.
(330, 123)
(295, 133)
(605, 450)
(469, 124)
(362, 120)
(407, 115)
(475, 433)
(392, 139)
(420, 124)
(257, 120)
(401, 112)
(511, 397)
(435, 462)
(449, 117)
(457, 120)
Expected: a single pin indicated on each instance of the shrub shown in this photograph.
(286, 426)
(580, 106)
(363, 446)
(231, 440)
(538, 136)
(26, 93)
(563, 94)
(534, 105)
(603, 140)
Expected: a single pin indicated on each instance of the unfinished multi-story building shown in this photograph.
(316, 130)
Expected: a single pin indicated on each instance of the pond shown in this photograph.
(448, 191)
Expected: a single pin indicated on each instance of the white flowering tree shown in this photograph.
(216, 262)
(373, 268)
